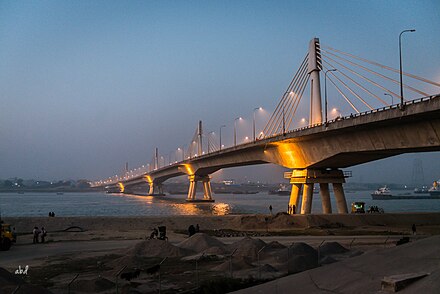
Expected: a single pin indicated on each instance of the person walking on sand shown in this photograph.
(270, 209)
(35, 233)
(43, 234)
(414, 229)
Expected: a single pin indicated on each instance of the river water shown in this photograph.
(102, 204)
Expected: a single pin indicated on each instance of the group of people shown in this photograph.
(291, 209)
(39, 235)
(51, 214)
(374, 208)
(193, 229)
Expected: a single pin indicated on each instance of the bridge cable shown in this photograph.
(299, 95)
(351, 90)
(357, 84)
(363, 77)
(291, 101)
(377, 74)
(385, 67)
(269, 125)
(343, 95)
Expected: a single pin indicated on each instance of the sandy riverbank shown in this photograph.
(105, 244)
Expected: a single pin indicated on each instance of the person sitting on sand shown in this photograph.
(154, 234)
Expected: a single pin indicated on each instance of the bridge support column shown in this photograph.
(341, 203)
(207, 192)
(309, 177)
(155, 189)
(294, 198)
(306, 207)
(325, 198)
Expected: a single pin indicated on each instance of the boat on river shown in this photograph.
(383, 193)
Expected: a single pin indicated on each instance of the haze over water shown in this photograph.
(101, 204)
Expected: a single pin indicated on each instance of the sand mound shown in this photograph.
(94, 285)
(201, 242)
(332, 248)
(247, 247)
(327, 260)
(238, 263)
(9, 282)
(274, 245)
(301, 248)
(215, 251)
(299, 263)
(156, 248)
(282, 219)
(267, 268)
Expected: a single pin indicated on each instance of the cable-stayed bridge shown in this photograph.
(374, 128)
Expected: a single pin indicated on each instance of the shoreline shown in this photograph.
(241, 222)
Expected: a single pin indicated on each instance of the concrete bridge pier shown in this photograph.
(155, 189)
(325, 198)
(308, 178)
(207, 191)
(295, 195)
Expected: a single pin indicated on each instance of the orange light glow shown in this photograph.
(121, 187)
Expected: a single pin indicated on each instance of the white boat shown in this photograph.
(382, 193)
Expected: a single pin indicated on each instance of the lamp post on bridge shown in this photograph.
(235, 130)
(392, 98)
(223, 126)
(400, 57)
(325, 92)
(257, 108)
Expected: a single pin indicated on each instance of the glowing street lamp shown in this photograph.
(235, 130)
(325, 91)
(392, 98)
(221, 146)
(257, 108)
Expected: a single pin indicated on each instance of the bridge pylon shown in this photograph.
(305, 179)
(314, 68)
(207, 192)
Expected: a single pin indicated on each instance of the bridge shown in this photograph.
(317, 152)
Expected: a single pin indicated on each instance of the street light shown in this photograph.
(325, 91)
(235, 130)
(392, 98)
(223, 126)
(400, 56)
(257, 108)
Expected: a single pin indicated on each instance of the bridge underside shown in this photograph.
(317, 150)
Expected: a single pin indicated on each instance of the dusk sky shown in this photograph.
(86, 86)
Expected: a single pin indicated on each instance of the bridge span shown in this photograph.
(315, 153)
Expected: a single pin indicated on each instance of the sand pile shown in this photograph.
(302, 257)
(329, 248)
(282, 220)
(156, 248)
(247, 247)
(10, 281)
(327, 260)
(201, 242)
(92, 286)
(274, 245)
(238, 263)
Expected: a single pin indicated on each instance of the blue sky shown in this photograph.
(87, 85)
